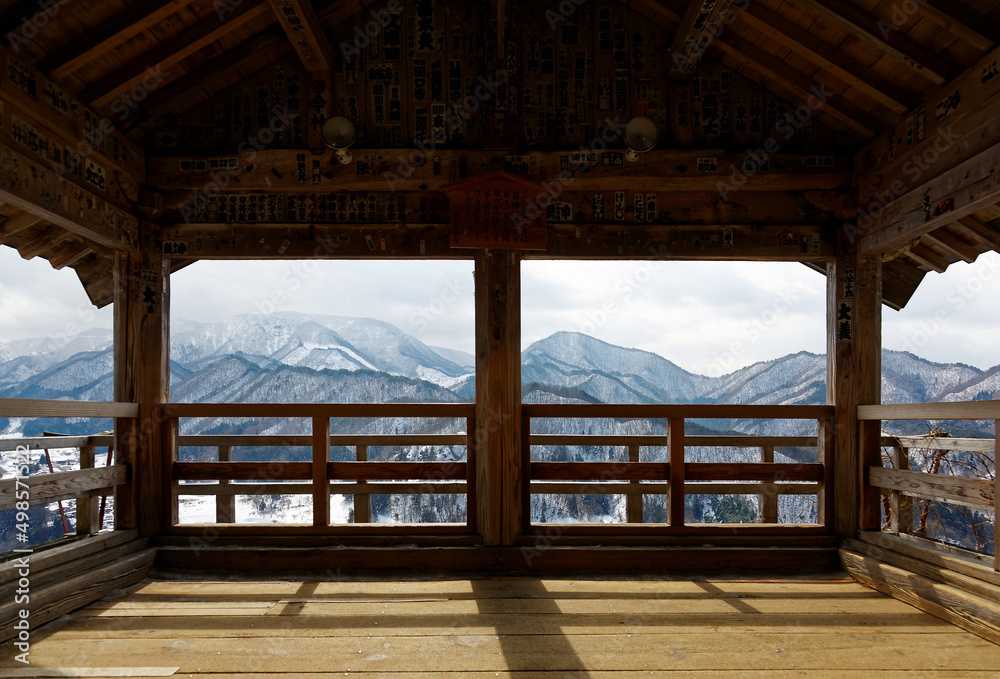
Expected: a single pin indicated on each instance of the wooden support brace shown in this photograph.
(87, 505)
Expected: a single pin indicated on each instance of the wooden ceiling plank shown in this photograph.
(803, 87)
(301, 25)
(947, 20)
(107, 37)
(17, 15)
(924, 255)
(156, 62)
(31, 187)
(974, 228)
(175, 99)
(797, 39)
(951, 195)
(898, 46)
(948, 241)
(657, 12)
(701, 21)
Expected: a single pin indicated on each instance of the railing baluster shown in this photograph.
(362, 501)
(321, 478)
(86, 505)
(225, 503)
(769, 497)
(825, 450)
(900, 505)
(996, 495)
(675, 432)
(633, 501)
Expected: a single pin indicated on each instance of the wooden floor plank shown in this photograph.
(517, 627)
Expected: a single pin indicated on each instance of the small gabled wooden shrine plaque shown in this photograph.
(498, 211)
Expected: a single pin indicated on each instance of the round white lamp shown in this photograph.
(640, 136)
(339, 133)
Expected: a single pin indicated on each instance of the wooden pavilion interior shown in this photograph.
(858, 137)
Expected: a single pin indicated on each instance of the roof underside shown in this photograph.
(879, 59)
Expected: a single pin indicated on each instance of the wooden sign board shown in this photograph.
(498, 211)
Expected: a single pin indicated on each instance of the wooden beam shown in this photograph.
(32, 187)
(700, 23)
(501, 476)
(69, 256)
(972, 410)
(46, 240)
(19, 407)
(792, 36)
(51, 487)
(800, 85)
(19, 13)
(865, 27)
(685, 242)
(301, 25)
(948, 241)
(954, 194)
(951, 124)
(277, 171)
(155, 64)
(108, 36)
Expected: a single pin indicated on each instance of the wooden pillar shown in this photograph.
(996, 496)
(142, 343)
(500, 477)
(854, 371)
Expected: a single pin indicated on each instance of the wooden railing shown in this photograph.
(321, 477)
(88, 484)
(892, 489)
(675, 477)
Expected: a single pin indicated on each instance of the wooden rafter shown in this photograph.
(69, 255)
(162, 58)
(12, 18)
(18, 223)
(301, 25)
(802, 42)
(946, 19)
(46, 240)
(981, 232)
(701, 21)
(951, 195)
(922, 254)
(801, 86)
(949, 242)
(107, 36)
(898, 46)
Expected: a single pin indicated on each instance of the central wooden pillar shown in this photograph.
(142, 375)
(500, 478)
(854, 370)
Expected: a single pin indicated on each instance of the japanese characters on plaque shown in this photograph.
(498, 211)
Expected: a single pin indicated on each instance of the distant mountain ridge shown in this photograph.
(290, 357)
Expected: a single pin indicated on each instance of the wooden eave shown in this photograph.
(884, 85)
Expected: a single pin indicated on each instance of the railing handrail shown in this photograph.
(942, 443)
(962, 410)
(310, 410)
(621, 440)
(305, 441)
(677, 411)
(53, 442)
(22, 407)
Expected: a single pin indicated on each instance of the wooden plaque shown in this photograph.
(498, 211)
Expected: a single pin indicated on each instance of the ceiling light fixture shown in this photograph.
(640, 136)
(339, 133)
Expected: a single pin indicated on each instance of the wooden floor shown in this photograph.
(498, 627)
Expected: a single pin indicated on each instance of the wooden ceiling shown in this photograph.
(158, 67)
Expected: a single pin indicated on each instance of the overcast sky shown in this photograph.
(709, 318)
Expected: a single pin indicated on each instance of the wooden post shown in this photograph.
(854, 369)
(321, 479)
(500, 478)
(225, 505)
(827, 451)
(170, 495)
(996, 496)
(900, 505)
(769, 497)
(362, 501)
(633, 503)
(142, 375)
(675, 444)
(870, 517)
(86, 504)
